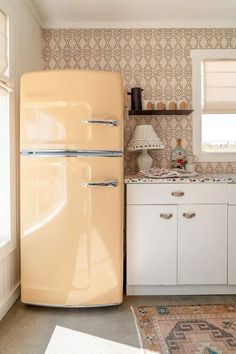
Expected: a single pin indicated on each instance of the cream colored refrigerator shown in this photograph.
(71, 188)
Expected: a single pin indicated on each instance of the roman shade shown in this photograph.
(3, 43)
(219, 86)
(5, 85)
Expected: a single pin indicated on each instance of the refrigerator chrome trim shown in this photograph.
(110, 184)
(107, 122)
(71, 153)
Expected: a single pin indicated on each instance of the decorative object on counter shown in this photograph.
(182, 104)
(178, 156)
(171, 105)
(148, 105)
(144, 138)
(136, 98)
(156, 172)
(160, 106)
(190, 167)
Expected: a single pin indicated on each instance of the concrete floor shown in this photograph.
(27, 329)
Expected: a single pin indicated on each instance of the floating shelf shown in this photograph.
(164, 112)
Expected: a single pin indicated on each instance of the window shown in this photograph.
(214, 103)
(5, 133)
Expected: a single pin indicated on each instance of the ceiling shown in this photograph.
(136, 13)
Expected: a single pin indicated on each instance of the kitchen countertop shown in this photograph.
(201, 178)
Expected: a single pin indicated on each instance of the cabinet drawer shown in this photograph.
(176, 193)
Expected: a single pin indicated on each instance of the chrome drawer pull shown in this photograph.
(111, 184)
(189, 215)
(166, 216)
(177, 194)
(107, 122)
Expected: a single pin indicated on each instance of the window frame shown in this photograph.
(198, 56)
(11, 244)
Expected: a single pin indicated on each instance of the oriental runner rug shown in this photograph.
(201, 329)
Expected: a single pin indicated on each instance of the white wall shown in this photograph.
(27, 54)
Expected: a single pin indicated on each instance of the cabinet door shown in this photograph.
(232, 245)
(151, 244)
(202, 244)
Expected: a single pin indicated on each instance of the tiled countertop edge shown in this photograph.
(201, 178)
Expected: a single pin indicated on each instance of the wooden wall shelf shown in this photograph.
(165, 112)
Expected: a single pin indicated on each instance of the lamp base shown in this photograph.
(144, 160)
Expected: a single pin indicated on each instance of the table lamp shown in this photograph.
(144, 138)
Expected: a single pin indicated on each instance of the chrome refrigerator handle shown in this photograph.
(107, 122)
(100, 184)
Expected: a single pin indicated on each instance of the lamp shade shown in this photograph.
(145, 138)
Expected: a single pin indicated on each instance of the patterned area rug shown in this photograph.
(202, 329)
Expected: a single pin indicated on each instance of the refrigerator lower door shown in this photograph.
(71, 230)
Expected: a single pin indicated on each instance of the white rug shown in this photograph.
(68, 341)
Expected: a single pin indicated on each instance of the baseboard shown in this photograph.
(7, 303)
(181, 290)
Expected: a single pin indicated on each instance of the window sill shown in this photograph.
(216, 157)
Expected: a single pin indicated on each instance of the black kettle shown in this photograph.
(136, 98)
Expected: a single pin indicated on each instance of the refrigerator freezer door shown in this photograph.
(71, 230)
(71, 110)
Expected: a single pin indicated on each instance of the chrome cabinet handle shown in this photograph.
(166, 216)
(111, 184)
(107, 122)
(177, 194)
(189, 215)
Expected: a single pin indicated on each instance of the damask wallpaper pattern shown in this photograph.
(158, 60)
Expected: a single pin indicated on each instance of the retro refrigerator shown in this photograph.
(71, 188)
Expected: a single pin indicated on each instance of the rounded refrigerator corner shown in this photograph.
(31, 73)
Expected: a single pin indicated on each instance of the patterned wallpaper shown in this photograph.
(158, 60)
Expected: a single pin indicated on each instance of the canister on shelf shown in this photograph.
(182, 104)
(160, 106)
(148, 105)
(171, 105)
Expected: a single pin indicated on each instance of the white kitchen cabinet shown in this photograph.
(232, 234)
(232, 194)
(152, 244)
(194, 251)
(202, 244)
(232, 244)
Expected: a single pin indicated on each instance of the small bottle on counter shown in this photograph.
(190, 167)
(178, 156)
